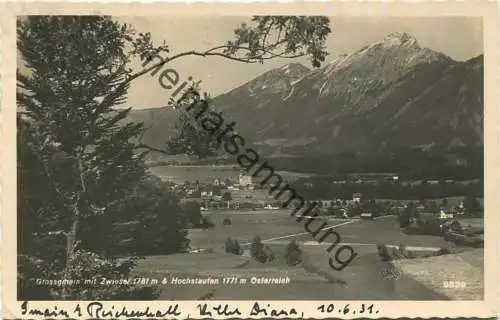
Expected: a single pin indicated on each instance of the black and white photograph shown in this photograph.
(265, 157)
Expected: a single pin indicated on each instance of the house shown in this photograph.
(367, 215)
(446, 215)
(420, 208)
(392, 179)
(193, 193)
(339, 182)
(216, 182)
(356, 197)
(206, 194)
(271, 207)
(245, 180)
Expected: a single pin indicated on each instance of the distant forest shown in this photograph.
(459, 163)
(322, 187)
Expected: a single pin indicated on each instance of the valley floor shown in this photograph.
(364, 279)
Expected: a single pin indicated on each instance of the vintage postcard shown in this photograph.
(258, 160)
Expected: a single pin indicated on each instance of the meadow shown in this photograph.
(207, 174)
(313, 279)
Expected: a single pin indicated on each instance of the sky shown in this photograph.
(458, 37)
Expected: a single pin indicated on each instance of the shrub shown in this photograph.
(396, 254)
(227, 222)
(257, 250)
(269, 253)
(404, 218)
(233, 246)
(293, 254)
(206, 222)
(401, 251)
(293, 258)
(463, 240)
(443, 250)
(383, 252)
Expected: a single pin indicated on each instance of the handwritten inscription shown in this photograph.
(220, 310)
(45, 312)
(347, 309)
(267, 310)
(98, 310)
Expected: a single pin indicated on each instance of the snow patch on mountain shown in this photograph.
(289, 94)
(296, 81)
(323, 86)
(399, 39)
(337, 64)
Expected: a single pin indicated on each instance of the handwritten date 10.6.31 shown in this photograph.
(348, 309)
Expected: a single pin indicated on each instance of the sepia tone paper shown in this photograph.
(457, 284)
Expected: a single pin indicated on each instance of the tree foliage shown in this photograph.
(80, 175)
(264, 38)
(407, 215)
(78, 166)
(189, 138)
(192, 210)
(233, 246)
(227, 196)
(293, 254)
(257, 250)
(471, 205)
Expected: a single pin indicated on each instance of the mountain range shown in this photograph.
(388, 94)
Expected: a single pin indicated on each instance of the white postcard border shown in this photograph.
(488, 10)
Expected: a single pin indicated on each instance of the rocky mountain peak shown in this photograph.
(276, 80)
(399, 38)
(390, 93)
(384, 60)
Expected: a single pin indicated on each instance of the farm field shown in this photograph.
(313, 280)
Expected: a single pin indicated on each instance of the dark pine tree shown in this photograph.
(77, 158)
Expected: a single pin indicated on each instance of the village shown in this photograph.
(235, 210)
(243, 192)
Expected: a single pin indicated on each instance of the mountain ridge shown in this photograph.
(393, 87)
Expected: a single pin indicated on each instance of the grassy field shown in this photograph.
(314, 279)
(256, 195)
(206, 174)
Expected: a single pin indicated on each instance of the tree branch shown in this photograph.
(209, 52)
(150, 148)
